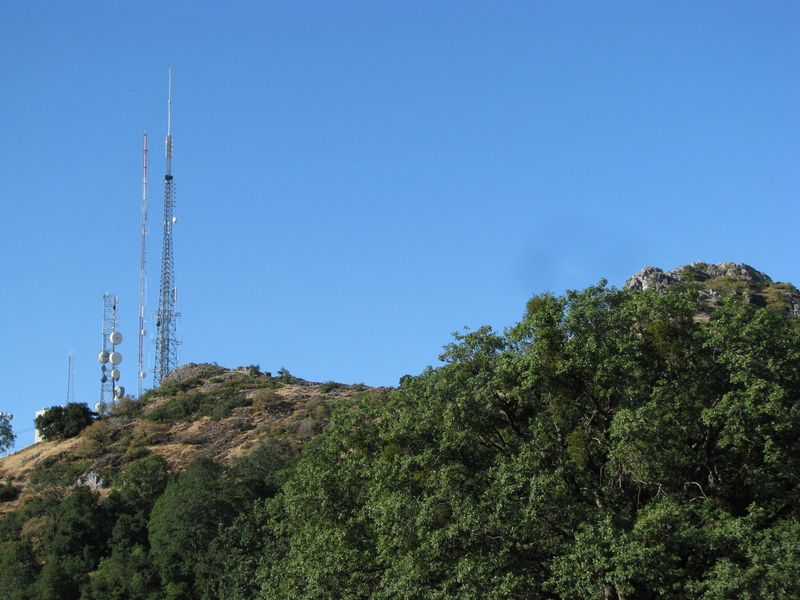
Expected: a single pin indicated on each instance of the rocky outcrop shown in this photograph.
(92, 480)
(650, 277)
(713, 281)
(190, 370)
(696, 272)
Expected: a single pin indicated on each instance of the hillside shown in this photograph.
(219, 413)
(200, 411)
(641, 443)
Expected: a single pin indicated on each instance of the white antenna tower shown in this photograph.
(110, 304)
(108, 379)
(70, 376)
(166, 318)
(141, 374)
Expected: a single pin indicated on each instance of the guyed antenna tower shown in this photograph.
(166, 318)
(141, 374)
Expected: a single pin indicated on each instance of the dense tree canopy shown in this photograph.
(611, 445)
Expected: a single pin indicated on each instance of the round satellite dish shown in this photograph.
(103, 368)
(99, 406)
(115, 375)
(115, 358)
(115, 338)
(142, 375)
(9, 417)
(103, 378)
(102, 356)
(119, 392)
(144, 331)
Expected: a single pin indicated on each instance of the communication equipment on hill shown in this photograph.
(71, 376)
(111, 338)
(142, 274)
(166, 358)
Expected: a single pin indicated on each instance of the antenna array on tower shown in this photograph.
(107, 380)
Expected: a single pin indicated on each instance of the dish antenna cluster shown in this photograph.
(108, 357)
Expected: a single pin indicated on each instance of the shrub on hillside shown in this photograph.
(7, 491)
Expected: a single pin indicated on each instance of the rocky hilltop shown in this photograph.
(713, 281)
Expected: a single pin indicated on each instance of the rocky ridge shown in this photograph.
(713, 281)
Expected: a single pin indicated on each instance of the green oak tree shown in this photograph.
(7, 436)
(184, 521)
(64, 421)
(610, 445)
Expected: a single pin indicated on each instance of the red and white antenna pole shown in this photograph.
(141, 373)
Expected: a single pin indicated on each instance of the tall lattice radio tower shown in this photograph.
(166, 318)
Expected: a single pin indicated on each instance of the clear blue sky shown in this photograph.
(358, 180)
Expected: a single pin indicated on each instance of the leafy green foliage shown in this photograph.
(18, 570)
(216, 404)
(690, 273)
(64, 421)
(185, 520)
(7, 436)
(285, 376)
(8, 491)
(51, 472)
(143, 481)
(608, 445)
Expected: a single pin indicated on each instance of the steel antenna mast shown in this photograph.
(140, 372)
(166, 317)
(70, 376)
